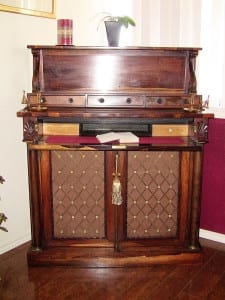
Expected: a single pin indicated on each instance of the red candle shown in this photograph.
(64, 32)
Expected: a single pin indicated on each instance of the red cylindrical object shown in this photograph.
(64, 32)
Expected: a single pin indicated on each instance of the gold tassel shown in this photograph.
(116, 192)
(116, 186)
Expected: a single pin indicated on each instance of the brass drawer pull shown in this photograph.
(101, 100)
(70, 100)
(159, 101)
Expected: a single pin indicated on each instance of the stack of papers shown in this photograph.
(121, 137)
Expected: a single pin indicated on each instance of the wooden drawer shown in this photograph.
(115, 101)
(168, 102)
(59, 100)
(170, 130)
(61, 129)
(173, 101)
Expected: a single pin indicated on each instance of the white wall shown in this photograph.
(158, 22)
(17, 31)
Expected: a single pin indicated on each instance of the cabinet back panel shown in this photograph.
(104, 70)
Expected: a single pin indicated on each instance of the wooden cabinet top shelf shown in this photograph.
(113, 113)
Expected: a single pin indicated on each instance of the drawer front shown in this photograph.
(115, 101)
(59, 100)
(168, 102)
(170, 130)
(61, 129)
(173, 102)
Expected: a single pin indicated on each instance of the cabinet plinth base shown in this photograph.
(99, 259)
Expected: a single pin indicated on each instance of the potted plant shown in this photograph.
(3, 218)
(113, 26)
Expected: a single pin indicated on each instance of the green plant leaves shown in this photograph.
(126, 21)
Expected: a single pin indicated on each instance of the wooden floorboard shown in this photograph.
(205, 280)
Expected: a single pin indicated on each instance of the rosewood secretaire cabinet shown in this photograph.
(111, 204)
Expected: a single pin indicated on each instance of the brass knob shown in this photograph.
(159, 100)
(101, 100)
(42, 100)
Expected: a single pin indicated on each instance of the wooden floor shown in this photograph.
(198, 281)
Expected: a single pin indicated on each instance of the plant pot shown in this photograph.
(113, 32)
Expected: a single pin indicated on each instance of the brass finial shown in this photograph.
(24, 98)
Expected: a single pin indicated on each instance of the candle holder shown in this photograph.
(40, 102)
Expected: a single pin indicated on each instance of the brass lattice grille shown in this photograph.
(152, 197)
(78, 194)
